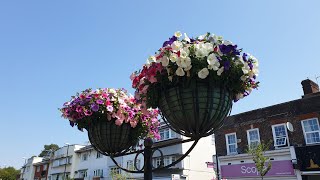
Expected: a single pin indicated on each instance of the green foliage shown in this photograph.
(262, 162)
(47, 148)
(122, 176)
(9, 173)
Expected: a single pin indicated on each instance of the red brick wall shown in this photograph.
(292, 112)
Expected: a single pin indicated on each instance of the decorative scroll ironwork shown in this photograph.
(154, 148)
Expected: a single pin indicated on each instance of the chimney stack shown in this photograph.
(309, 87)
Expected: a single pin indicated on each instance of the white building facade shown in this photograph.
(64, 163)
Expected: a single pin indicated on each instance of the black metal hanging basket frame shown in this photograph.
(109, 138)
(196, 109)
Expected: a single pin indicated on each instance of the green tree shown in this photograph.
(262, 162)
(122, 176)
(9, 173)
(48, 148)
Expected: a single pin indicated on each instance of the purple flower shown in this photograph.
(226, 65)
(94, 107)
(244, 57)
(71, 123)
(229, 49)
(99, 101)
(171, 40)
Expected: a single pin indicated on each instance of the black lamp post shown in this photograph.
(67, 162)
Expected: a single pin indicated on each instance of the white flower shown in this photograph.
(214, 67)
(150, 60)
(180, 72)
(173, 57)
(212, 59)
(177, 34)
(184, 62)
(184, 52)
(246, 68)
(203, 49)
(213, 62)
(176, 46)
(202, 36)
(187, 68)
(165, 61)
(203, 73)
(220, 71)
(243, 78)
(186, 38)
(226, 42)
(213, 38)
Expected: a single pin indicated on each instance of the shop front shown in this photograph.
(308, 162)
(282, 169)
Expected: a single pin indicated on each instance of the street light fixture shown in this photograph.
(67, 161)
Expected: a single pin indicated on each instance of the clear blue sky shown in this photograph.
(49, 50)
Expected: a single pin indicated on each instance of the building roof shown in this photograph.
(84, 149)
(307, 104)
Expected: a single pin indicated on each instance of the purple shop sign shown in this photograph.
(279, 168)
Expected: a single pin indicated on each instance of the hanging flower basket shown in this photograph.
(193, 82)
(195, 110)
(115, 121)
(108, 137)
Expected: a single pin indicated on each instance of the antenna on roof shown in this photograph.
(317, 78)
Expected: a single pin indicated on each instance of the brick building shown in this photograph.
(41, 170)
(293, 130)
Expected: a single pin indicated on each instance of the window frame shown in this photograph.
(227, 144)
(274, 135)
(248, 136)
(305, 133)
(83, 156)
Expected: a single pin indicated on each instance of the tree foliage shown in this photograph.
(48, 148)
(9, 173)
(262, 162)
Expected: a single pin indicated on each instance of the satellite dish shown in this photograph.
(289, 127)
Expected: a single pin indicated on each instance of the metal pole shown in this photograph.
(148, 159)
(65, 166)
(218, 172)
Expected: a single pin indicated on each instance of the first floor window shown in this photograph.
(115, 170)
(231, 141)
(99, 155)
(280, 136)
(84, 157)
(253, 137)
(311, 130)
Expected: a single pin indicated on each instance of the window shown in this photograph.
(311, 130)
(166, 134)
(98, 172)
(167, 160)
(253, 137)
(130, 165)
(114, 170)
(280, 136)
(38, 168)
(44, 167)
(156, 162)
(99, 155)
(83, 174)
(231, 141)
(84, 157)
